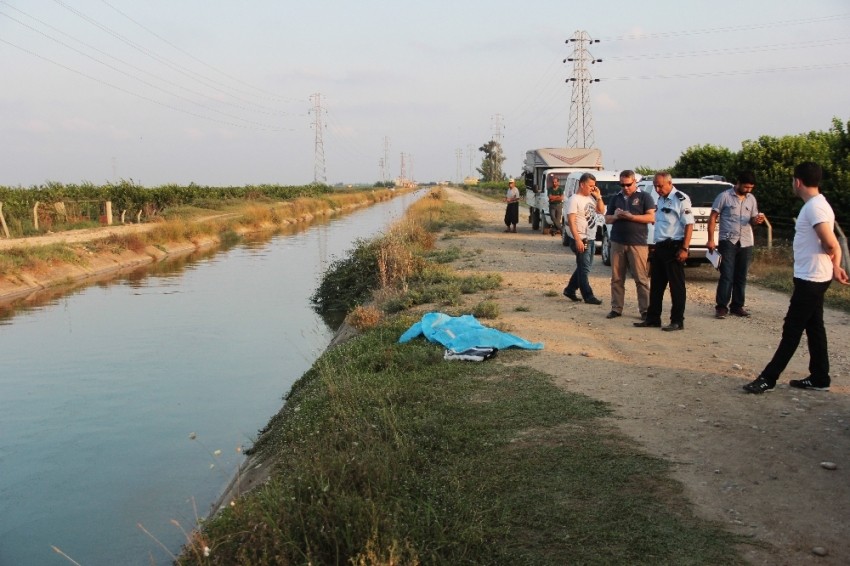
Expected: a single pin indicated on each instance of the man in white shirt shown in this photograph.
(817, 261)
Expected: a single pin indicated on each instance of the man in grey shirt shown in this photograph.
(738, 213)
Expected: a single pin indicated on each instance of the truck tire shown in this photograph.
(535, 219)
(605, 249)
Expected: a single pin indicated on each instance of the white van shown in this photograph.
(702, 193)
(609, 185)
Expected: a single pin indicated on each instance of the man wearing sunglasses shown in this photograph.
(629, 212)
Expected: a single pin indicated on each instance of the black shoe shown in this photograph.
(740, 312)
(720, 312)
(613, 314)
(759, 385)
(674, 326)
(808, 384)
(571, 296)
(643, 316)
(648, 324)
(592, 301)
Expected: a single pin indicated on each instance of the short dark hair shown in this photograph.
(809, 173)
(746, 178)
(586, 177)
(627, 174)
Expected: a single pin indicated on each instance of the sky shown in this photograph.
(224, 93)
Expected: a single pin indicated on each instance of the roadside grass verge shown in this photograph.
(386, 454)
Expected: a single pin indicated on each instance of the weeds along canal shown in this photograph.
(126, 404)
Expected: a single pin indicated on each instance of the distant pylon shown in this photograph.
(319, 173)
(580, 131)
(459, 156)
(497, 128)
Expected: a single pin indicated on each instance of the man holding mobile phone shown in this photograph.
(583, 208)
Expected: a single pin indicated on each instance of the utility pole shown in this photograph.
(319, 172)
(382, 171)
(403, 177)
(497, 128)
(469, 151)
(386, 154)
(459, 156)
(580, 131)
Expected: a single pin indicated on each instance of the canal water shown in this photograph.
(124, 406)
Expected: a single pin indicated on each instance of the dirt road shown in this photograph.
(751, 462)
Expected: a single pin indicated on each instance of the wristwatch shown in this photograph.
(685, 249)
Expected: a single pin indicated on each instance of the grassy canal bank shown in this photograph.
(384, 453)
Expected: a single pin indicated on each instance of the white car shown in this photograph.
(702, 193)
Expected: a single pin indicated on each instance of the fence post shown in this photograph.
(769, 233)
(35, 215)
(3, 221)
(109, 213)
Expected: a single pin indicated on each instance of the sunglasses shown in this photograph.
(624, 185)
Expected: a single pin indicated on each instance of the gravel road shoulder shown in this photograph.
(752, 462)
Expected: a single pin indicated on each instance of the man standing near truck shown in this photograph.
(629, 212)
(674, 224)
(556, 204)
(737, 212)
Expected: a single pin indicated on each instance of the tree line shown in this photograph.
(772, 159)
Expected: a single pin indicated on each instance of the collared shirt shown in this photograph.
(625, 231)
(735, 215)
(672, 214)
(556, 194)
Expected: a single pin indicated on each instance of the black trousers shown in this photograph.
(665, 270)
(805, 313)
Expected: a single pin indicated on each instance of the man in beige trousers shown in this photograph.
(629, 212)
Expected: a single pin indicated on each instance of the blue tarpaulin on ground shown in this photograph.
(460, 333)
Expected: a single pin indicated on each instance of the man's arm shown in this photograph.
(712, 225)
(571, 220)
(830, 245)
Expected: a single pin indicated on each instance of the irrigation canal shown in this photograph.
(127, 403)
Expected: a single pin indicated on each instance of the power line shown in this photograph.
(136, 94)
(732, 50)
(188, 73)
(125, 73)
(272, 95)
(734, 73)
(745, 27)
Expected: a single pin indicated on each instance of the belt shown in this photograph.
(669, 242)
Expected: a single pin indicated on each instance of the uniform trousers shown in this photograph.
(666, 269)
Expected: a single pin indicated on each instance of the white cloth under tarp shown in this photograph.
(462, 333)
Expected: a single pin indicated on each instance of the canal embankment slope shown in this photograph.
(94, 254)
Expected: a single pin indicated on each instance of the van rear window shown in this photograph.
(702, 195)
